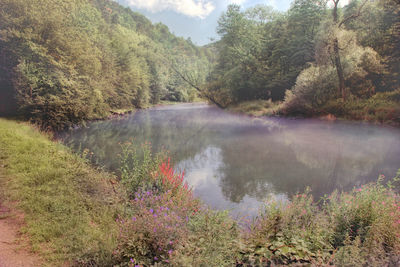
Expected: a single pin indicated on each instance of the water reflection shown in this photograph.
(234, 162)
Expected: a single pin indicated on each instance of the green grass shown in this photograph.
(255, 107)
(69, 207)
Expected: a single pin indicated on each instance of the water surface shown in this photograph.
(236, 162)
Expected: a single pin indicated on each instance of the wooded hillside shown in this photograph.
(68, 61)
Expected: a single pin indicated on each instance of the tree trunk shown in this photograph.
(338, 63)
(339, 69)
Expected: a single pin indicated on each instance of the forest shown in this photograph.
(315, 59)
(65, 62)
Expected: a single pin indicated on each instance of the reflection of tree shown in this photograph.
(260, 157)
(288, 159)
(182, 132)
(256, 167)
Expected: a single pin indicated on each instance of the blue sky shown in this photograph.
(196, 19)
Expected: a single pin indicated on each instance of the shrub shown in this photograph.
(155, 227)
(366, 224)
(138, 165)
(314, 87)
(213, 240)
(347, 229)
(382, 107)
(286, 233)
(156, 220)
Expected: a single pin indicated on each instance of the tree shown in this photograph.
(336, 49)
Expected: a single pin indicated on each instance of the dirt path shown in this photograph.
(14, 248)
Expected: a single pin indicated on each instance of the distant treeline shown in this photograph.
(66, 61)
(317, 57)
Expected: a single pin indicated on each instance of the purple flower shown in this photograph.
(170, 251)
(151, 210)
(134, 219)
(155, 258)
(132, 260)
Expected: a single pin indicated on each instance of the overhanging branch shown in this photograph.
(353, 16)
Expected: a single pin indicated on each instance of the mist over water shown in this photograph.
(236, 162)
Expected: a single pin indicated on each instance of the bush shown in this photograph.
(154, 229)
(156, 220)
(213, 240)
(138, 166)
(286, 233)
(347, 229)
(382, 108)
(366, 224)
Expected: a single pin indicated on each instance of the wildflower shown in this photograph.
(132, 260)
(151, 210)
(134, 219)
(155, 258)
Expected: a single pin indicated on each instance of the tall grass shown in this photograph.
(358, 228)
(69, 207)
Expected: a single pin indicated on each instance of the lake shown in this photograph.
(236, 162)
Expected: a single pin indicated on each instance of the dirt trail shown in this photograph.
(14, 248)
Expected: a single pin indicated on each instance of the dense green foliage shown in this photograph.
(70, 61)
(262, 51)
(317, 58)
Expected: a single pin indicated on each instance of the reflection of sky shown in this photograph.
(235, 162)
(203, 173)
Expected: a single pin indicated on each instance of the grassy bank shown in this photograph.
(74, 214)
(383, 108)
(255, 108)
(69, 207)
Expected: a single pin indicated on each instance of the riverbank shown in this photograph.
(382, 108)
(68, 206)
(77, 215)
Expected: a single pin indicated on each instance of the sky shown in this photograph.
(196, 19)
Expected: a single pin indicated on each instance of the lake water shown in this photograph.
(236, 162)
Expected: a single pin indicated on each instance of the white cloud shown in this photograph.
(272, 3)
(191, 8)
(238, 2)
(342, 3)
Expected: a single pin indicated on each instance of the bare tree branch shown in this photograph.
(353, 16)
(202, 92)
